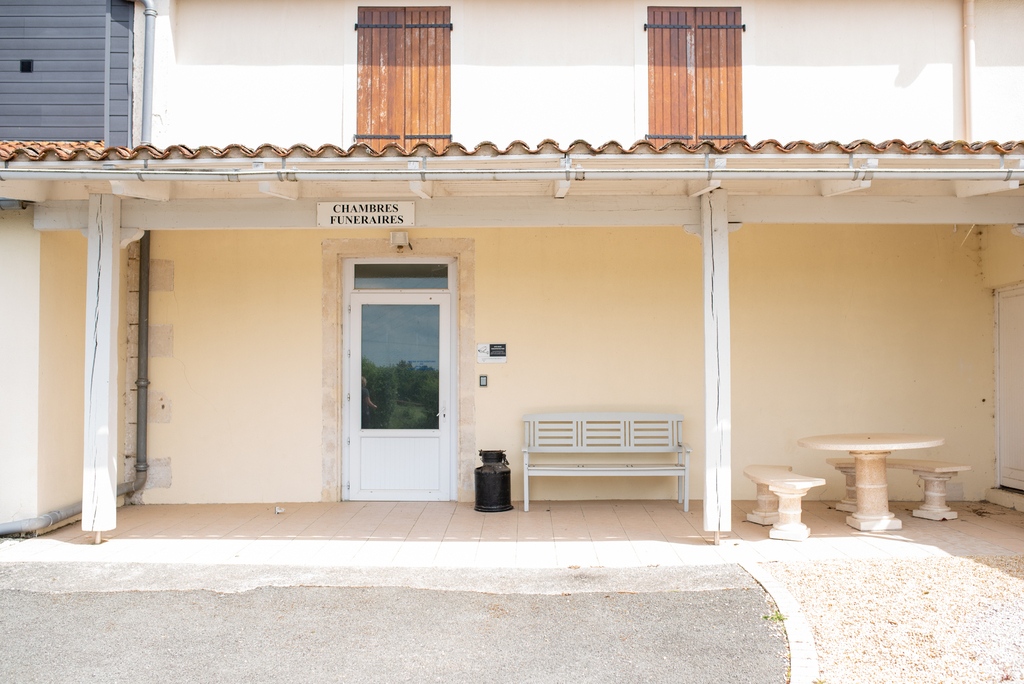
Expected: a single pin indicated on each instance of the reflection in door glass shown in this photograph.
(401, 362)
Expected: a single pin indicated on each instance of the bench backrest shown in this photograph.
(603, 432)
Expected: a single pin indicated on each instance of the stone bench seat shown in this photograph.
(779, 491)
(934, 474)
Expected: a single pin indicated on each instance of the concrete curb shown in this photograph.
(803, 658)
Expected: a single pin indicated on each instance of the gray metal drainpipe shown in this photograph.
(142, 376)
(33, 525)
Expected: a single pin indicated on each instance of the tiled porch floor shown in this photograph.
(552, 535)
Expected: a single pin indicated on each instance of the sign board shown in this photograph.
(365, 214)
(491, 353)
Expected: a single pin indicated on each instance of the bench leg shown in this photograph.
(686, 481)
(789, 525)
(767, 511)
(849, 503)
(526, 481)
(934, 506)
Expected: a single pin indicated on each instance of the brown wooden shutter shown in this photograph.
(670, 78)
(694, 74)
(404, 76)
(719, 68)
(429, 85)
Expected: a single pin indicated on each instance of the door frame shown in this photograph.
(348, 398)
(1013, 291)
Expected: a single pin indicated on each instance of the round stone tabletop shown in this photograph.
(871, 441)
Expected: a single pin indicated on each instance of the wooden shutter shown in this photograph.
(719, 65)
(404, 76)
(694, 74)
(670, 74)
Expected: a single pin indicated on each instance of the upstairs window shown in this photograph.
(694, 72)
(404, 72)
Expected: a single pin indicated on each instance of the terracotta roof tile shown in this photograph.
(91, 151)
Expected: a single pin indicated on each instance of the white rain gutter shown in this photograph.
(577, 173)
(969, 63)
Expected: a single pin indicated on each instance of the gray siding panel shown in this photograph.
(52, 99)
(80, 84)
(48, 33)
(47, 8)
(71, 113)
(119, 120)
(69, 133)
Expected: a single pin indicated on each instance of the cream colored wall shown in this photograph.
(834, 329)
(42, 344)
(62, 368)
(594, 319)
(240, 418)
(284, 73)
(19, 366)
(861, 329)
(235, 387)
(1002, 256)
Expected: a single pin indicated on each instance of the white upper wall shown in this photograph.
(264, 71)
(999, 72)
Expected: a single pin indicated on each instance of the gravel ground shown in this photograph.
(923, 620)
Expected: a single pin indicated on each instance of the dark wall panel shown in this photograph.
(79, 85)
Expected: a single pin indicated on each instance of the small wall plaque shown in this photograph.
(491, 353)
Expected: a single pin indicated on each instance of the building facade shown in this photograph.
(340, 211)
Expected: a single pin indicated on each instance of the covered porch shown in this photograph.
(557, 534)
(857, 297)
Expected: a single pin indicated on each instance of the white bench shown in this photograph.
(934, 474)
(779, 491)
(628, 433)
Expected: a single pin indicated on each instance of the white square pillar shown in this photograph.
(714, 221)
(99, 487)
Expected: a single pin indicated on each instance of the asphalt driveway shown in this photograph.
(138, 623)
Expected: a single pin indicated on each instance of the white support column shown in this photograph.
(714, 223)
(101, 390)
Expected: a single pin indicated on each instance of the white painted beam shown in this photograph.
(440, 212)
(103, 289)
(975, 188)
(574, 210)
(876, 210)
(833, 188)
(562, 188)
(422, 189)
(282, 189)
(27, 191)
(714, 223)
(159, 191)
(698, 188)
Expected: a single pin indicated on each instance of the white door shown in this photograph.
(399, 384)
(1010, 387)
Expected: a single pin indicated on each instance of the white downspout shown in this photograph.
(969, 62)
(147, 71)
